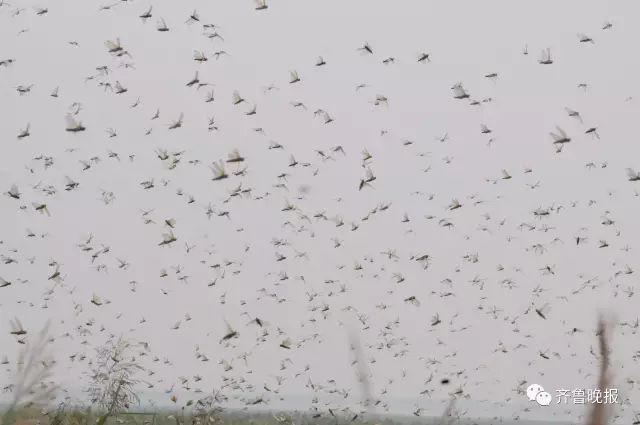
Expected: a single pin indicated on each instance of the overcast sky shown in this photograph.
(416, 173)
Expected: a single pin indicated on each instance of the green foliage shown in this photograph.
(9, 418)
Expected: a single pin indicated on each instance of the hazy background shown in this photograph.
(466, 40)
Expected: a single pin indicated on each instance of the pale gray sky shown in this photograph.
(466, 41)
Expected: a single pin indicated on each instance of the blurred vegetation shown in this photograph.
(78, 416)
(114, 401)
